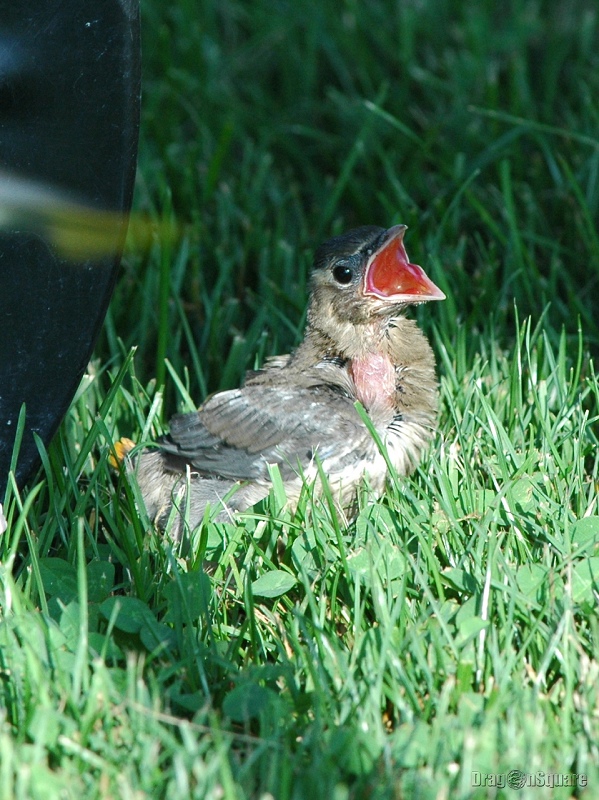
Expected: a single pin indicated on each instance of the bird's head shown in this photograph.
(365, 275)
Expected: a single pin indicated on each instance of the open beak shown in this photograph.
(390, 276)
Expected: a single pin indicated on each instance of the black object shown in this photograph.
(69, 121)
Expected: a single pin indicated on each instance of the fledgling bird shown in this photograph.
(357, 346)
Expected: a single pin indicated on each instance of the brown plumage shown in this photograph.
(357, 346)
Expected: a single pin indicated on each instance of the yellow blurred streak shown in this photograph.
(75, 230)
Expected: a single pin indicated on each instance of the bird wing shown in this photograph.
(237, 433)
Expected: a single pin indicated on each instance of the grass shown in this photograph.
(450, 634)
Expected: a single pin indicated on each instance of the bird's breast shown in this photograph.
(374, 379)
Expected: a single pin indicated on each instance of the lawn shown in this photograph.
(445, 644)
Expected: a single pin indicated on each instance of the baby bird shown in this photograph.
(300, 408)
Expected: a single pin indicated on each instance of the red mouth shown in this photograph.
(390, 276)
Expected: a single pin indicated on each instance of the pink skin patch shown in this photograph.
(374, 378)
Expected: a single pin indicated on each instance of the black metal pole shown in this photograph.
(69, 123)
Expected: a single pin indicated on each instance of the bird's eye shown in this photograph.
(343, 274)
